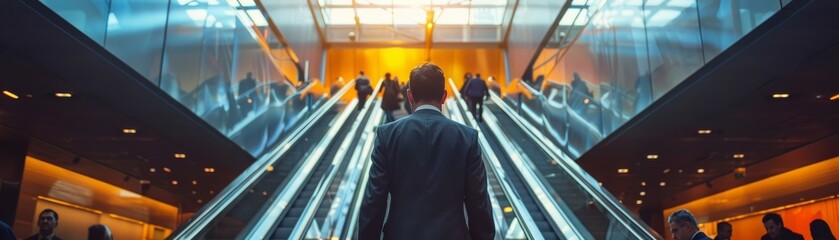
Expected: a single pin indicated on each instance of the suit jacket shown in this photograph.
(36, 237)
(786, 234)
(700, 236)
(432, 168)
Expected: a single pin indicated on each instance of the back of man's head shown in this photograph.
(427, 83)
(361, 73)
(681, 217)
(477, 75)
(774, 217)
(98, 232)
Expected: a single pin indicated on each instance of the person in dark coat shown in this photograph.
(819, 230)
(775, 229)
(363, 89)
(405, 103)
(432, 170)
(476, 91)
(99, 232)
(390, 97)
(683, 226)
(47, 222)
(723, 231)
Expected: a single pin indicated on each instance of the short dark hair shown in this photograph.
(427, 82)
(720, 224)
(361, 72)
(774, 217)
(50, 211)
(387, 76)
(681, 217)
(98, 232)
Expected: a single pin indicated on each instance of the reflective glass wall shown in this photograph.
(608, 61)
(217, 58)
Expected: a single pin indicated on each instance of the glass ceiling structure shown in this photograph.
(405, 20)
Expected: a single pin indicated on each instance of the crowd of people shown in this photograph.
(683, 226)
(395, 94)
(48, 222)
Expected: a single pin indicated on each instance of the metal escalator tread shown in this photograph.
(573, 195)
(526, 196)
(500, 196)
(326, 204)
(289, 220)
(233, 221)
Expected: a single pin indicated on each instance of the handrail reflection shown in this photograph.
(523, 216)
(637, 229)
(222, 201)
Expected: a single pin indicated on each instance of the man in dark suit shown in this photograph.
(47, 221)
(683, 226)
(431, 167)
(775, 229)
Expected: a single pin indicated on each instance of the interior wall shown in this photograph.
(82, 201)
(375, 62)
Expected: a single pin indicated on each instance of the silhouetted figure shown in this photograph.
(390, 97)
(723, 231)
(246, 93)
(580, 95)
(466, 78)
(432, 169)
(99, 232)
(476, 91)
(775, 229)
(819, 230)
(47, 222)
(363, 89)
(683, 226)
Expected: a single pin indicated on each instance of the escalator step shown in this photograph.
(289, 222)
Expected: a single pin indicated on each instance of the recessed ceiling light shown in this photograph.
(639, 202)
(834, 97)
(642, 193)
(209, 170)
(662, 184)
(652, 156)
(194, 192)
(780, 95)
(10, 94)
(623, 170)
(180, 155)
(174, 182)
(700, 171)
(643, 183)
(129, 130)
(63, 94)
(739, 155)
(704, 131)
(666, 171)
(194, 182)
(200, 201)
(212, 192)
(166, 169)
(152, 170)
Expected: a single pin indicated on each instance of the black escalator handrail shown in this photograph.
(354, 207)
(309, 212)
(222, 201)
(264, 225)
(523, 215)
(633, 224)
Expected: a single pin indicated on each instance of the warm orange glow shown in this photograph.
(834, 97)
(704, 131)
(180, 155)
(623, 170)
(375, 62)
(129, 130)
(652, 156)
(10, 94)
(740, 199)
(134, 206)
(508, 209)
(270, 168)
(63, 94)
(209, 170)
